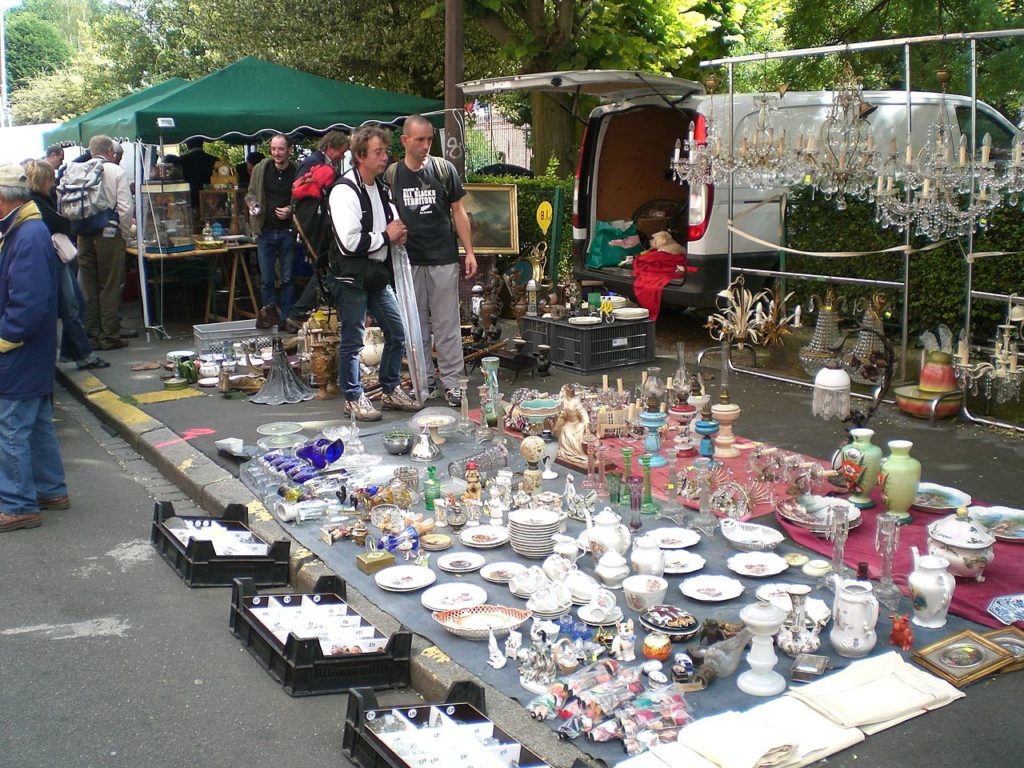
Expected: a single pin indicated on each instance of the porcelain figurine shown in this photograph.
(494, 655)
(931, 589)
(513, 643)
(624, 645)
(474, 484)
(854, 615)
(967, 546)
(902, 636)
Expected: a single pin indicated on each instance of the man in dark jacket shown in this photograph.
(31, 471)
(270, 216)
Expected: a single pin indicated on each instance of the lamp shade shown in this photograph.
(831, 392)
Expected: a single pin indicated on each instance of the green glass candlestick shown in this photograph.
(648, 506)
(627, 463)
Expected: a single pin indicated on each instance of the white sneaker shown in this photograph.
(363, 409)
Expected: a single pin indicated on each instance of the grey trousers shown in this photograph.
(437, 300)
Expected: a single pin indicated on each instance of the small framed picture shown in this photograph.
(963, 658)
(1012, 639)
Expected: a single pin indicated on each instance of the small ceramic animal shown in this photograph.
(902, 635)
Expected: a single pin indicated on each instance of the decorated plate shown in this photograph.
(939, 499)
(674, 538)
(461, 562)
(447, 597)
(435, 542)
(675, 622)
(405, 578)
(811, 512)
(484, 536)
(501, 573)
(1008, 608)
(757, 564)
(478, 622)
(711, 589)
(1005, 523)
(682, 561)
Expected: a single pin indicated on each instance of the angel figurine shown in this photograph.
(494, 655)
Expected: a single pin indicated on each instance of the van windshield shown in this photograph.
(1002, 137)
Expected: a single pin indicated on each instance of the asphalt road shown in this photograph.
(108, 659)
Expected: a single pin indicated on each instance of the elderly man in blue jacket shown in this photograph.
(31, 471)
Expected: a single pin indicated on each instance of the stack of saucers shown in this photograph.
(530, 532)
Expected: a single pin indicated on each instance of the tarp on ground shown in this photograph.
(242, 102)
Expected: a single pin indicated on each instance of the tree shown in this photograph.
(34, 46)
(649, 35)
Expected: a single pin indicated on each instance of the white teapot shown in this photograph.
(606, 533)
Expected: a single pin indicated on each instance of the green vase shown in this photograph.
(869, 456)
(900, 475)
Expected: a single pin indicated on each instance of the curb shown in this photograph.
(212, 488)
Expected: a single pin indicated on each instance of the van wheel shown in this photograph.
(660, 215)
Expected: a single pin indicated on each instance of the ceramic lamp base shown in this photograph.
(761, 683)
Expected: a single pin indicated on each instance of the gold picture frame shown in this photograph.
(1012, 639)
(963, 658)
(493, 218)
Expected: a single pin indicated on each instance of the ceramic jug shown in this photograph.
(900, 474)
(647, 557)
(606, 533)
(931, 589)
(854, 615)
(869, 456)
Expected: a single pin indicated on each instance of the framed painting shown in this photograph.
(1012, 639)
(493, 217)
(963, 658)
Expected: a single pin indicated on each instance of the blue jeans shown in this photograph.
(276, 246)
(353, 303)
(74, 341)
(30, 464)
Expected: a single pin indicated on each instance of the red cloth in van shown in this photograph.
(652, 271)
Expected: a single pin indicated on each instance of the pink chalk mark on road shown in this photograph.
(188, 434)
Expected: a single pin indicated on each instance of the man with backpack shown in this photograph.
(96, 196)
(313, 179)
(428, 195)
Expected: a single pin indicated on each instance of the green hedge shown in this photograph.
(529, 194)
(937, 277)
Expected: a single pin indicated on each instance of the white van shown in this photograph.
(623, 169)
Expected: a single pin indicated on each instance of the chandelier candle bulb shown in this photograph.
(963, 150)
(618, 385)
(986, 148)
(910, 150)
(604, 382)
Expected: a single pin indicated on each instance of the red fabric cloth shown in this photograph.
(652, 271)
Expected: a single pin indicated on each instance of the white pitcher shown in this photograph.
(854, 615)
(931, 589)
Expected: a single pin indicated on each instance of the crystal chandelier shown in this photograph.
(940, 191)
(702, 164)
(844, 163)
(764, 160)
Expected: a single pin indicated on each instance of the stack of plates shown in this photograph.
(501, 573)
(631, 313)
(812, 513)
(483, 536)
(530, 531)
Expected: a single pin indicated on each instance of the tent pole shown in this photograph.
(140, 238)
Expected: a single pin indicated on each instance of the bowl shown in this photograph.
(750, 537)
(643, 591)
(398, 443)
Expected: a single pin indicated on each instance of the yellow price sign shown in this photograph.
(544, 214)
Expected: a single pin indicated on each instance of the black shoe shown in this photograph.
(93, 362)
(453, 397)
(129, 333)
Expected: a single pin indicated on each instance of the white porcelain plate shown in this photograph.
(450, 596)
(682, 561)
(501, 573)
(757, 564)
(484, 536)
(711, 589)
(674, 538)
(584, 320)
(405, 578)
(460, 562)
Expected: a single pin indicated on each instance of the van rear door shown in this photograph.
(607, 84)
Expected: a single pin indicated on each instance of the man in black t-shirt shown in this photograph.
(428, 194)
(271, 219)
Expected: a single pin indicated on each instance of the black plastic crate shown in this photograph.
(200, 566)
(589, 348)
(463, 706)
(535, 330)
(300, 664)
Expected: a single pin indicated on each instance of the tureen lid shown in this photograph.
(960, 531)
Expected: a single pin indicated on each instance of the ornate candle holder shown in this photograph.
(887, 540)
(648, 506)
(705, 521)
(601, 453)
(627, 463)
(590, 446)
(838, 532)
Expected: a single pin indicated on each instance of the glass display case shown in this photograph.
(225, 207)
(168, 217)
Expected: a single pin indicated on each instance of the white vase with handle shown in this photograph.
(931, 590)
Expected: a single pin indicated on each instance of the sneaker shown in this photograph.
(363, 409)
(93, 361)
(453, 397)
(398, 400)
(14, 522)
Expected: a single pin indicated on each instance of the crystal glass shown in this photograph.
(614, 482)
(636, 495)
(838, 532)
(887, 540)
(465, 425)
(705, 521)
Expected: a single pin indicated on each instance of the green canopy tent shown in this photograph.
(241, 103)
(72, 131)
(245, 101)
